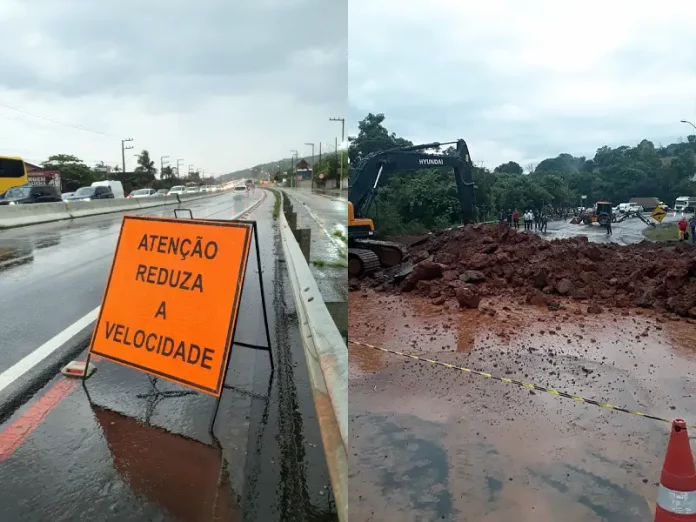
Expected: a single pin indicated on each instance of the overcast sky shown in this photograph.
(223, 84)
(525, 80)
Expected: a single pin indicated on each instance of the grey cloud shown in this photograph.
(204, 47)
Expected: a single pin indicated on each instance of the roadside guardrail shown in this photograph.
(327, 360)
(21, 215)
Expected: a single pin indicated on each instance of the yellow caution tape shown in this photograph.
(529, 386)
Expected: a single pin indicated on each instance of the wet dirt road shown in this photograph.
(428, 443)
(124, 449)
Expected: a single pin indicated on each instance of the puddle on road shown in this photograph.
(184, 477)
(430, 443)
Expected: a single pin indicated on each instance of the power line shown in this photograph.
(77, 127)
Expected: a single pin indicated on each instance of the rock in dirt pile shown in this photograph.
(488, 260)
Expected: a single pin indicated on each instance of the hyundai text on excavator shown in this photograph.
(366, 254)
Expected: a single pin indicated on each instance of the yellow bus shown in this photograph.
(13, 173)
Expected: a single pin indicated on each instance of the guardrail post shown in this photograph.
(304, 237)
(292, 220)
(339, 313)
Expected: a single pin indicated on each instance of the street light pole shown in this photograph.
(688, 123)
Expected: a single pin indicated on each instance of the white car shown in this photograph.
(191, 190)
(177, 189)
(240, 191)
(143, 193)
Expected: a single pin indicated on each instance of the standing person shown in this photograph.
(682, 225)
(609, 232)
(544, 221)
(692, 225)
(516, 219)
(509, 217)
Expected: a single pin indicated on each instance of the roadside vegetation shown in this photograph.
(276, 204)
(663, 232)
(416, 202)
(76, 173)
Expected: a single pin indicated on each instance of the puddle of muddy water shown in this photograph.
(430, 443)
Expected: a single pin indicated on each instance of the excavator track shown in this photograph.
(390, 254)
(361, 262)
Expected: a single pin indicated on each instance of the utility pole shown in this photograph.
(343, 127)
(293, 181)
(162, 158)
(339, 158)
(124, 148)
(312, 177)
(179, 162)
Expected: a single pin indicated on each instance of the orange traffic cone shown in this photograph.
(676, 498)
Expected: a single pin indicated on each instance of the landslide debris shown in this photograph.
(467, 263)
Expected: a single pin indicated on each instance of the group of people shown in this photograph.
(683, 225)
(531, 218)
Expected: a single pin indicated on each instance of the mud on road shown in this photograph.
(487, 260)
(428, 443)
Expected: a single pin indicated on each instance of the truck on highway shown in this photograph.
(685, 204)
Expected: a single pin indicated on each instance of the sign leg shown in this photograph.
(263, 297)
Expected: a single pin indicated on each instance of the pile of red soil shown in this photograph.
(488, 260)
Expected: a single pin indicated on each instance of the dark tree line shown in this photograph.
(427, 199)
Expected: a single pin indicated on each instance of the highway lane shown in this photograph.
(327, 216)
(53, 274)
(119, 451)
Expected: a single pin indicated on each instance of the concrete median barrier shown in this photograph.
(23, 215)
(19, 215)
(326, 355)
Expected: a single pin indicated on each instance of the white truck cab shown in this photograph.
(115, 186)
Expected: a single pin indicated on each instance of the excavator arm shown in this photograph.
(365, 254)
(377, 167)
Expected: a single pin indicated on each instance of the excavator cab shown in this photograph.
(366, 254)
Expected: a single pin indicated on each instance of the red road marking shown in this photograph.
(17, 432)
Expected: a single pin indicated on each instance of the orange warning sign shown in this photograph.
(171, 302)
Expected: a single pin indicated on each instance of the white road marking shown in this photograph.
(20, 368)
(340, 244)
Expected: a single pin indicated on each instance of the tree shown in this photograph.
(509, 168)
(145, 164)
(72, 169)
(372, 137)
(167, 172)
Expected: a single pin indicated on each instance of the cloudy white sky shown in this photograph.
(222, 84)
(525, 80)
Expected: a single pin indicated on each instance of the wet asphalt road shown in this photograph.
(430, 443)
(125, 449)
(626, 233)
(58, 271)
(327, 216)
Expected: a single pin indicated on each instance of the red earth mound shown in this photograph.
(487, 260)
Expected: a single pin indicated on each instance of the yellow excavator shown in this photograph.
(366, 254)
